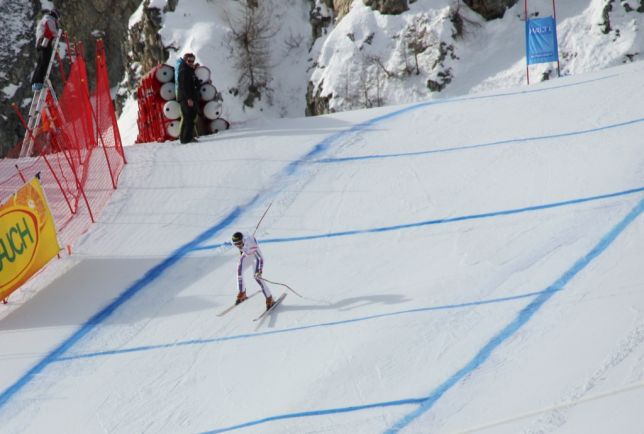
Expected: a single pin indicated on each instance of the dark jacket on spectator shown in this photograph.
(188, 84)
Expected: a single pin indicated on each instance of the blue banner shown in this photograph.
(541, 40)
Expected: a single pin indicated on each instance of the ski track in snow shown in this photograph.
(293, 175)
(552, 418)
(426, 403)
(556, 417)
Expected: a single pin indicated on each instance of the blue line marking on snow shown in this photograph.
(298, 329)
(155, 272)
(438, 221)
(521, 319)
(150, 276)
(425, 403)
(480, 145)
(410, 401)
(328, 141)
(366, 124)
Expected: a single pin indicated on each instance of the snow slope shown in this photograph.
(470, 264)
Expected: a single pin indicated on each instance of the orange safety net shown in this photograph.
(77, 151)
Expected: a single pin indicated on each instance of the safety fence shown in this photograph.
(78, 153)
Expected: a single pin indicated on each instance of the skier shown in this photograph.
(45, 35)
(248, 248)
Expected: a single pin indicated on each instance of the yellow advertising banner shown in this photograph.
(27, 237)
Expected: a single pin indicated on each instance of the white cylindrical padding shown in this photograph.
(208, 92)
(212, 109)
(172, 110)
(173, 128)
(219, 125)
(202, 73)
(164, 74)
(167, 91)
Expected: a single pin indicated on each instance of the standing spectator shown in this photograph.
(46, 32)
(188, 96)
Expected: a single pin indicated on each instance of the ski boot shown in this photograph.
(241, 296)
(269, 302)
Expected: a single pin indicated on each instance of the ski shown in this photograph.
(266, 312)
(229, 308)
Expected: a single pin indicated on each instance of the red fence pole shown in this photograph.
(107, 158)
(554, 15)
(527, 67)
(51, 169)
(22, 177)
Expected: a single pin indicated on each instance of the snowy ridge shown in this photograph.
(468, 265)
(364, 59)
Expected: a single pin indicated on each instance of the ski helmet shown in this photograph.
(54, 13)
(238, 238)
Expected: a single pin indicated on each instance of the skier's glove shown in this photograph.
(258, 275)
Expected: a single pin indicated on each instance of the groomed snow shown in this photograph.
(468, 265)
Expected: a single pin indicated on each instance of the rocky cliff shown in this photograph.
(142, 46)
(16, 63)
(84, 20)
(133, 45)
(419, 40)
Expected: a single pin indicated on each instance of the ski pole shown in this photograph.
(282, 284)
(260, 220)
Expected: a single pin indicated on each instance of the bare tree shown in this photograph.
(365, 85)
(378, 62)
(251, 31)
(373, 77)
(380, 80)
(418, 38)
(349, 96)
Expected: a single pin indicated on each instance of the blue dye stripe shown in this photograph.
(328, 141)
(480, 145)
(365, 125)
(155, 272)
(297, 329)
(521, 319)
(149, 277)
(471, 98)
(436, 221)
(425, 403)
(410, 401)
